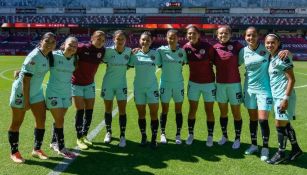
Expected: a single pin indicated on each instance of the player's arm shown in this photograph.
(241, 57)
(283, 54)
(26, 90)
(290, 85)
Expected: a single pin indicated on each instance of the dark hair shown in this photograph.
(146, 33)
(251, 28)
(62, 47)
(171, 31)
(120, 32)
(277, 37)
(193, 27)
(46, 35)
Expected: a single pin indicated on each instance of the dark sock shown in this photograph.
(38, 138)
(108, 121)
(122, 124)
(163, 119)
(142, 126)
(60, 137)
(191, 124)
(282, 138)
(53, 139)
(13, 139)
(292, 137)
(210, 128)
(265, 130)
(179, 121)
(79, 122)
(253, 128)
(224, 122)
(238, 128)
(154, 129)
(87, 121)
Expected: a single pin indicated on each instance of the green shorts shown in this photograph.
(170, 90)
(108, 93)
(144, 96)
(289, 114)
(87, 92)
(258, 101)
(207, 90)
(229, 92)
(17, 98)
(58, 102)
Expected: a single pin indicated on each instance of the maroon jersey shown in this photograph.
(226, 62)
(89, 59)
(200, 58)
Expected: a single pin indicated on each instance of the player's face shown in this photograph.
(223, 35)
(48, 44)
(193, 36)
(251, 37)
(271, 44)
(119, 40)
(145, 41)
(71, 47)
(172, 39)
(98, 40)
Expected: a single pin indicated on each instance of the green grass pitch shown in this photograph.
(167, 159)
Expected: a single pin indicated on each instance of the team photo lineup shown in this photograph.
(241, 78)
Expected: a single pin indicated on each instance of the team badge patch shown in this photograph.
(126, 57)
(262, 53)
(18, 101)
(230, 47)
(156, 93)
(54, 102)
(99, 55)
(239, 95)
(202, 51)
(180, 54)
(152, 57)
(269, 101)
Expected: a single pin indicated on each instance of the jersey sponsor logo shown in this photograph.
(152, 57)
(99, 55)
(202, 51)
(262, 52)
(269, 101)
(18, 101)
(230, 47)
(180, 55)
(127, 57)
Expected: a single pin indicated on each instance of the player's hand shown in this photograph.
(26, 106)
(283, 54)
(283, 105)
(135, 50)
(16, 74)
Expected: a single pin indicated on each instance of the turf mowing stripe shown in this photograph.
(4, 77)
(63, 165)
(300, 73)
(297, 87)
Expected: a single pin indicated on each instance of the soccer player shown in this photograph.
(146, 90)
(228, 82)
(58, 91)
(83, 85)
(200, 56)
(257, 91)
(115, 84)
(27, 93)
(171, 83)
(282, 82)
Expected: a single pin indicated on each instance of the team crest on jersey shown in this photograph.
(18, 101)
(262, 53)
(180, 54)
(99, 55)
(230, 47)
(202, 51)
(127, 57)
(152, 57)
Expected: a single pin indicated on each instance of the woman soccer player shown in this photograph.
(228, 82)
(282, 82)
(27, 93)
(58, 91)
(83, 85)
(257, 91)
(146, 91)
(171, 84)
(202, 81)
(115, 84)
